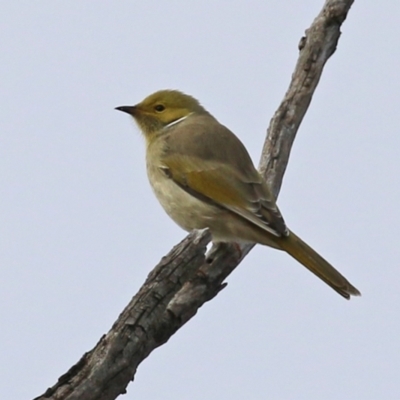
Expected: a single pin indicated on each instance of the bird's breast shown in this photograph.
(185, 209)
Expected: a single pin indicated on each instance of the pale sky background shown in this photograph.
(80, 228)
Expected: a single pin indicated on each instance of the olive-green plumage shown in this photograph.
(203, 176)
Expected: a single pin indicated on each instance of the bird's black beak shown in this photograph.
(128, 109)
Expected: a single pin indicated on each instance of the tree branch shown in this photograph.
(185, 278)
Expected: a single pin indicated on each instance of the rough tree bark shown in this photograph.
(186, 278)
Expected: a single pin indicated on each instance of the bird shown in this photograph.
(203, 176)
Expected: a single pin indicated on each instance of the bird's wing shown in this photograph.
(222, 173)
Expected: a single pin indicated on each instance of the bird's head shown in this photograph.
(161, 109)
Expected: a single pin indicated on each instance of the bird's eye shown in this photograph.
(159, 108)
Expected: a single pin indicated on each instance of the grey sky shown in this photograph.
(80, 228)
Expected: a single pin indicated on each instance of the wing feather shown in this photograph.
(210, 162)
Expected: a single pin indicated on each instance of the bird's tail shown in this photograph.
(304, 254)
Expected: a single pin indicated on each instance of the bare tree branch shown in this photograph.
(185, 278)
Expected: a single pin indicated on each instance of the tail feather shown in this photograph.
(303, 253)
